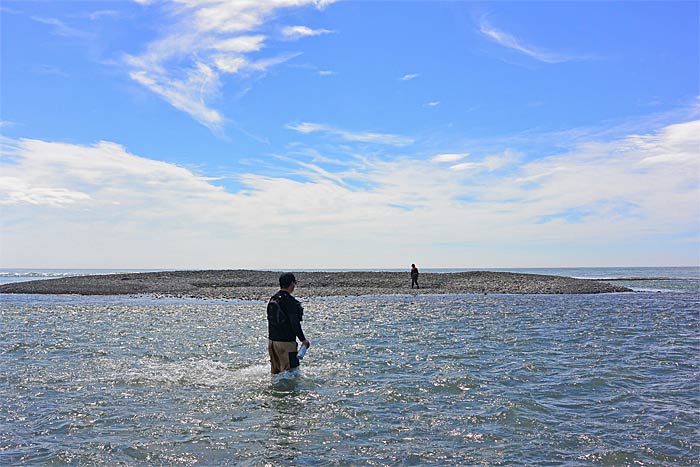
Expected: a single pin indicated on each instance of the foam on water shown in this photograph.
(204, 372)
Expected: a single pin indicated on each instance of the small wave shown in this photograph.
(207, 373)
(286, 375)
(203, 373)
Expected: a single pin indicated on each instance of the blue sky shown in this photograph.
(311, 134)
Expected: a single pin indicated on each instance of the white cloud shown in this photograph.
(432, 104)
(326, 72)
(465, 166)
(239, 44)
(498, 161)
(80, 206)
(511, 42)
(264, 64)
(674, 147)
(409, 77)
(63, 166)
(306, 127)
(18, 191)
(207, 41)
(295, 32)
(489, 163)
(187, 94)
(452, 157)
(363, 137)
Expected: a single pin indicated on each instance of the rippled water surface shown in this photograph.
(428, 380)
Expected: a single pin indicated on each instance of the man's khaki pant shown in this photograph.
(280, 355)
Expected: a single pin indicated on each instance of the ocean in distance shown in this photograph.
(574, 380)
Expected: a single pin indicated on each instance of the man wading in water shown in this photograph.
(284, 316)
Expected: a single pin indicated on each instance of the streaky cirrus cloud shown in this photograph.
(205, 42)
(409, 77)
(100, 14)
(60, 28)
(130, 209)
(364, 136)
(510, 41)
(296, 32)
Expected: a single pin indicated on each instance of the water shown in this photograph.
(10, 275)
(449, 380)
(659, 279)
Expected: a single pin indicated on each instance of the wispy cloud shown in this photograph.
(100, 14)
(136, 209)
(508, 40)
(60, 28)
(450, 157)
(489, 163)
(296, 32)
(409, 77)
(432, 104)
(187, 94)
(316, 69)
(206, 42)
(364, 137)
(306, 127)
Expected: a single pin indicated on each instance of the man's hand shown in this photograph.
(306, 343)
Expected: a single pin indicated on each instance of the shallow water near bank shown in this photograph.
(399, 380)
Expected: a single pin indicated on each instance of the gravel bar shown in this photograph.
(260, 285)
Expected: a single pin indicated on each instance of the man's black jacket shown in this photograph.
(290, 329)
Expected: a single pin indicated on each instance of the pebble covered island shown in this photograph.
(260, 285)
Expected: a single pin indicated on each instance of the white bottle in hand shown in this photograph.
(302, 352)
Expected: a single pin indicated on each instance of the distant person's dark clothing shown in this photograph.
(414, 276)
(284, 327)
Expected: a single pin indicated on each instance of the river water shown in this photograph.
(573, 380)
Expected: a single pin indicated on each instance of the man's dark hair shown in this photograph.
(286, 279)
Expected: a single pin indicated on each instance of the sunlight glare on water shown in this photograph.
(430, 380)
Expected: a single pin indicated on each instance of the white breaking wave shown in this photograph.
(208, 373)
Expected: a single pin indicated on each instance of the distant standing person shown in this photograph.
(414, 276)
(284, 316)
